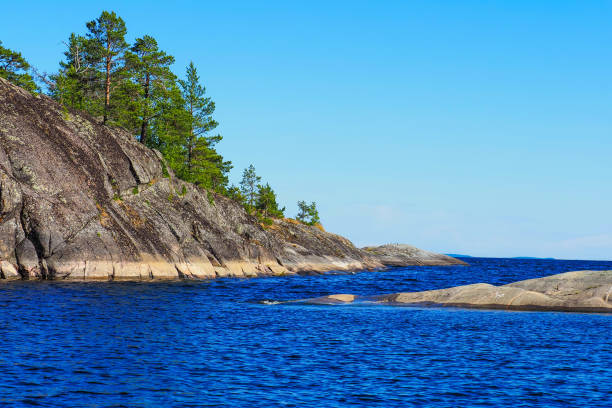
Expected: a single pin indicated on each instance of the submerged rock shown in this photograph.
(328, 300)
(403, 255)
(84, 201)
(581, 291)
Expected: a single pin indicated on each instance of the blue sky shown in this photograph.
(478, 127)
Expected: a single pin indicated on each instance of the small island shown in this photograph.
(580, 291)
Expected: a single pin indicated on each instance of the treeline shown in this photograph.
(133, 87)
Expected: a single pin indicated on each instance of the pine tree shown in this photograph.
(150, 68)
(203, 165)
(308, 213)
(107, 43)
(136, 89)
(200, 109)
(77, 84)
(248, 186)
(235, 194)
(14, 68)
(70, 81)
(207, 167)
(266, 202)
(169, 129)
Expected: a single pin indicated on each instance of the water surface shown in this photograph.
(214, 344)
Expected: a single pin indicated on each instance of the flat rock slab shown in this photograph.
(406, 255)
(580, 291)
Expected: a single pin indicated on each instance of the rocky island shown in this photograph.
(402, 254)
(83, 201)
(580, 291)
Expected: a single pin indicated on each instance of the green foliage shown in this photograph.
(93, 77)
(149, 69)
(77, 84)
(235, 194)
(203, 165)
(183, 191)
(132, 86)
(255, 196)
(106, 46)
(14, 68)
(266, 202)
(135, 190)
(263, 219)
(248, 186)
(169, 127)
(308, 213)
(165, 173)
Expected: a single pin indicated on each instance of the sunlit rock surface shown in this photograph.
(403, 255)
(580, 291)
(84, 201)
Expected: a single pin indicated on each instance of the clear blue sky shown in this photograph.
(478, 127)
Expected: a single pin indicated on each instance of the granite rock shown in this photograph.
(579, 291)
(403, 255)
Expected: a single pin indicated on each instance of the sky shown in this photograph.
(471, 127)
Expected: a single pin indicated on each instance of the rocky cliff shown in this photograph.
(80, 200)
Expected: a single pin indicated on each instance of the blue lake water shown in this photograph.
(214, 344)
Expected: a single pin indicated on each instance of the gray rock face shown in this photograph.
(83, 201)
(402, 255)
(311, 249)
(581, 291)
(79, 200)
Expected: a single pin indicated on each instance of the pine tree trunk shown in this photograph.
(143, 132)
(145, 118)
(108, 81)
(189, 154)
(190, 147)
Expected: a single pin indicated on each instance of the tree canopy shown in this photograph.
(308, 213)
(266, 202)
(15, 69)
(248, 185)
(133, 86)
(107, 44)
(150, 69)
(203, 165)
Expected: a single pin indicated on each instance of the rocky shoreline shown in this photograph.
(579, 291)
(84, 201)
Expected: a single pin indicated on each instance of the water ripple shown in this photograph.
(228, 343)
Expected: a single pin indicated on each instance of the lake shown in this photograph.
(226, 343)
